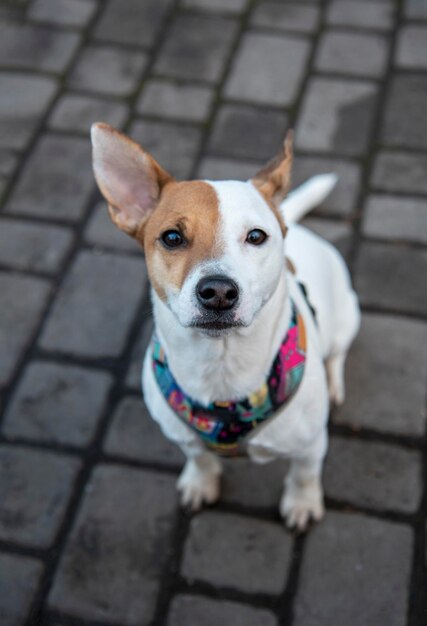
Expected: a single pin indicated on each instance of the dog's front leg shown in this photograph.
(302, 499)
(199, 481)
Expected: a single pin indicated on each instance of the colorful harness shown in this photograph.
(223, 425)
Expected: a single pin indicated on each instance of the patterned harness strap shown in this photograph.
(223, 425)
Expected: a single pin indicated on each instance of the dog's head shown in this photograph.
(214, 250)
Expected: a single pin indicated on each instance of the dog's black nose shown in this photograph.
(217, 293)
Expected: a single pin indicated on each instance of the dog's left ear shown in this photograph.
(274, 180)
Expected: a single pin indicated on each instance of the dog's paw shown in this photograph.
(299, 506)
(198, 486)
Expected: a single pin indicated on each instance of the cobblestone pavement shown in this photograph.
(90, 530)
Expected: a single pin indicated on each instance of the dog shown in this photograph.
(249, 347)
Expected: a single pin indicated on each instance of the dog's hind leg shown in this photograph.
(302, 499)
(335, 372)
(199, 481)
(347, 327)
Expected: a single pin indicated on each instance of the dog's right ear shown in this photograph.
(273, 181)
(128, 177)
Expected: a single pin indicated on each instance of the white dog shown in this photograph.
(239, 361)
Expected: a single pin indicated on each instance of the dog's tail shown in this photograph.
(307, 196)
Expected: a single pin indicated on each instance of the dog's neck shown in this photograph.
(228, 368)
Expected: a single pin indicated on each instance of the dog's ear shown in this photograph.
(128, 177)
(273, 181)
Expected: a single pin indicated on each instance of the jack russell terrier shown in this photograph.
(242, 361)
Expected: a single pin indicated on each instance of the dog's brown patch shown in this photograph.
(192, 208)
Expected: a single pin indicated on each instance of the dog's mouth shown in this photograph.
(216, 324)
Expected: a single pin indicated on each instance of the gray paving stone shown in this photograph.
(57, 403)
(19, 579)
(245, 132)
(289, 16)
(101, 232)
(23, 101)
(108, 71)
(392, 2)
(195, 610)
(22, 301)
(386, 357)
(8, 162)
(397, 218)
(12, 11)
(113, 563)
(260, 551)
(389, 276)
(405, 121)
(56, 180)
(135, 435)
(336, 116)
(377, 15)
(95, 305)
(66, 12)
(260, 73)
(415, 8)
(411, 48)
(175, 100)
(224, 6)
(133, 378)
(3, 186)
(197, 47)
(35, 487)
(401, 172)
(343, 199)
(355, 54)
(132, 21)
(373, 475)
(30, 246)
(213, 168)
(249, 484)
(77, 113)
(347, 557)
(34, 47)
(175, 146)
(337, 233)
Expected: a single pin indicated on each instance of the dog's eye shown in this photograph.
(172, 239)
(256, 237)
